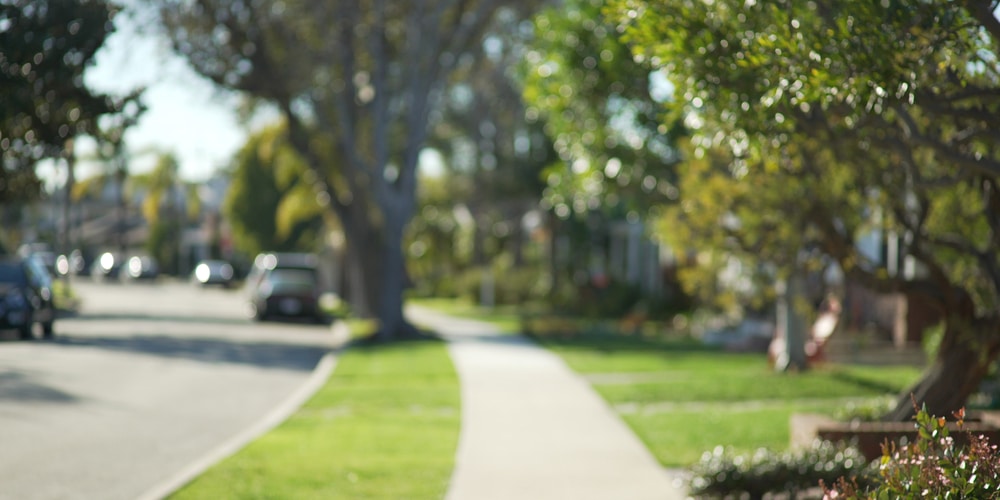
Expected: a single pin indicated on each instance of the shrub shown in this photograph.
(933, 466)
(511, 285)
(869, 410)
(721, 475)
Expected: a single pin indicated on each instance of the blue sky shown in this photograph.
(186, 115)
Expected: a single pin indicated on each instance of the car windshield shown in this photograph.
(292, 277)
(12, 272)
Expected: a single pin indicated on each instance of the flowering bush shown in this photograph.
(933, 466)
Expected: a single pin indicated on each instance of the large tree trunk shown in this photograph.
(962, 360)
(392, 274)
(378, 271)
(354, 262)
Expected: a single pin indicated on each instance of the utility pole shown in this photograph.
(67, 242)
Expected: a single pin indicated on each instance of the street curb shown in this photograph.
(278, 415)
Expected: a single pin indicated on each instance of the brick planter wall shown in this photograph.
(869, 436)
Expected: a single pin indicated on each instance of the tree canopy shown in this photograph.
(816, 123)
(356, 82)
(271, 204)
(599, 107)
(45, 47)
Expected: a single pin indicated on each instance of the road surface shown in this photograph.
(143, 381)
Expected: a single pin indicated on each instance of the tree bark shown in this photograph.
(961, 363)
(377, 269)
(393, 324)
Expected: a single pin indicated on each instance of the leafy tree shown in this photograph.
(167, 206)
(270, 205)
(598, 107)
(45, 47)
(356, 82)
(818, 121)
(493, 157)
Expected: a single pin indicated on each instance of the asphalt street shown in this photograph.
(146, 379)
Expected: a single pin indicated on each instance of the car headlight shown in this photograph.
(107, 261)
(135, 267)
(202, 273)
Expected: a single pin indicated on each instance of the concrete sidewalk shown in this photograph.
(532, 429)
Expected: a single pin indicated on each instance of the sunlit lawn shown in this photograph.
(679, 437)
(384, 426)
(683, 399)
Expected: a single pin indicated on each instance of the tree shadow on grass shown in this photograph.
(865, 382)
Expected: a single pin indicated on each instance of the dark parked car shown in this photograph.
(285, 285)
(214, 272)
(26, 296)
(79, 262)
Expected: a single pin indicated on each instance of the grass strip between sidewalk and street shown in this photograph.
(385, 425)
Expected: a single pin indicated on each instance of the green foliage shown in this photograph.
(45, 47)
(272, 203)
(618, 299)
(168, 207)
(359, 85)
(509, 285)
(162, 244)
(935, 465)
(869, 410)
(721, 474)
(598, 108)
(806, 135)
(816, 124)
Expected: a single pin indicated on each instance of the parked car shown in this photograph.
(107, 266)
(40, 251)
(26, 296)
(141, 267)
(213, 272)
(77, 263)
(285, 285)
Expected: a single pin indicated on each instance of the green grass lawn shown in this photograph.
(683, 399)
(678, 438)
(384, 426)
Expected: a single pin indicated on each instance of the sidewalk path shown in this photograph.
(532, 429)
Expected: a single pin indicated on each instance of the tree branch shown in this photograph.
(379, 48)
(980, 166)
(984, 12)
